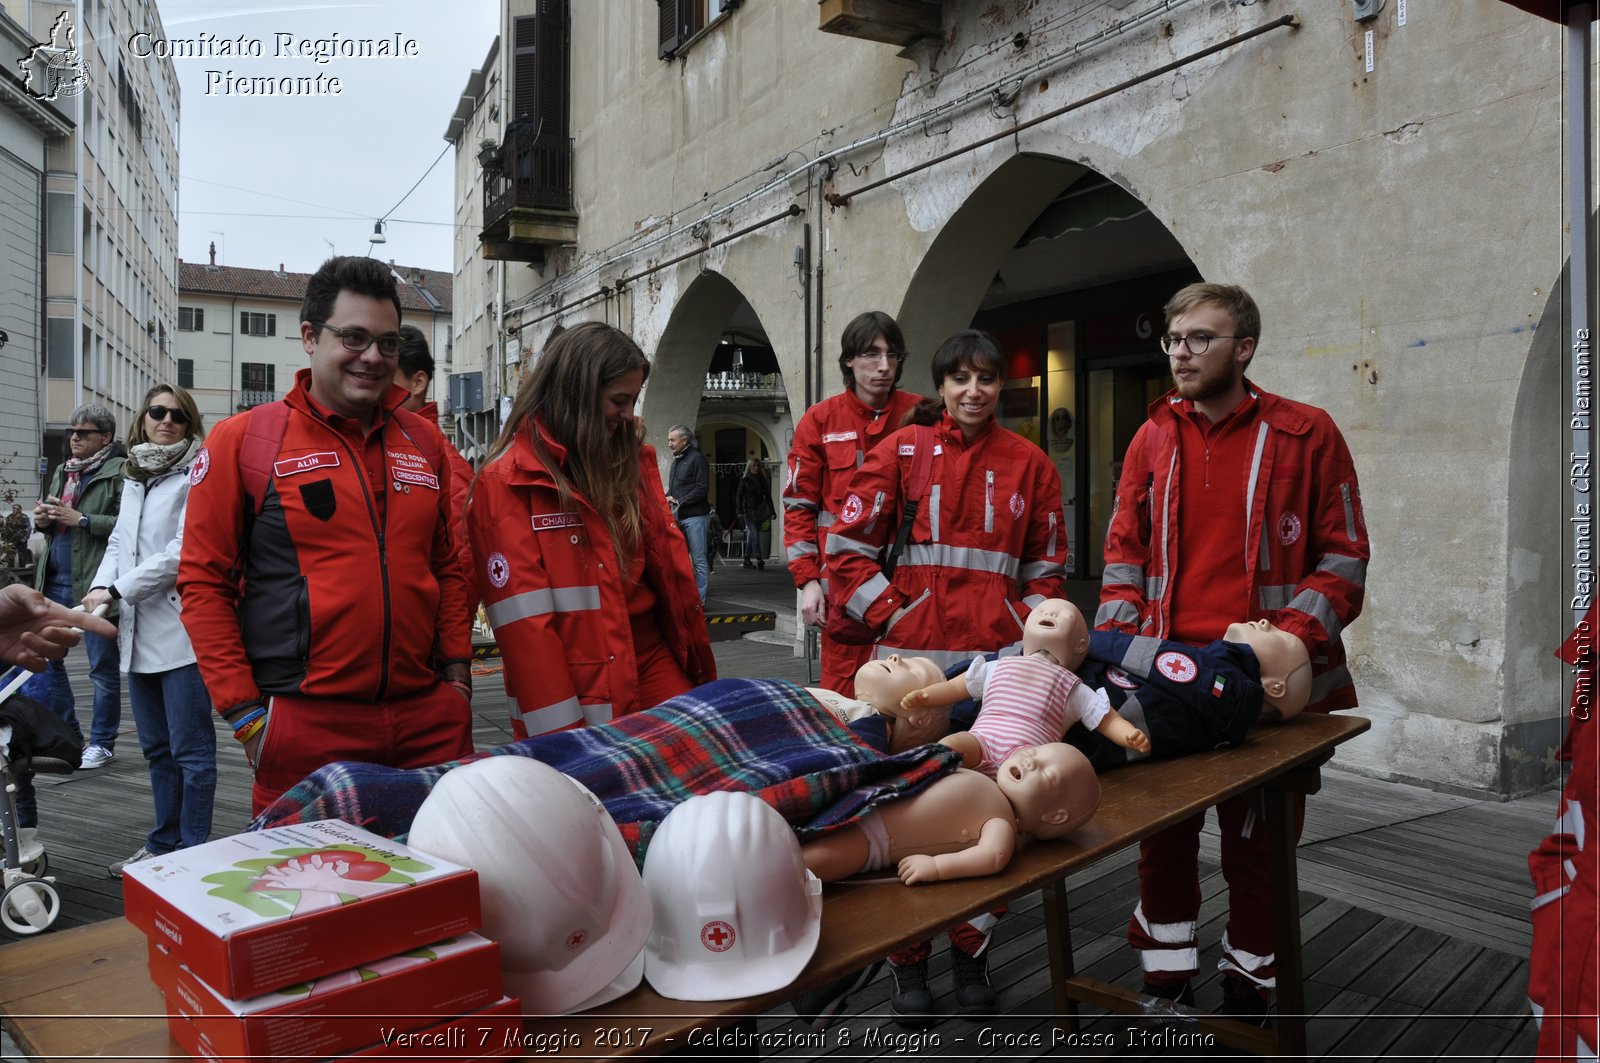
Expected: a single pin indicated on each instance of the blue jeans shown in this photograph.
(694, 530)
(173, 713)
(103, 673)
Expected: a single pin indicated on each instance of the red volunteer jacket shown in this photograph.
(988, 544)
(1304, 558)
(460, 479)
(1564, 961)
(829, 445)
(345, 585)
(557, 602)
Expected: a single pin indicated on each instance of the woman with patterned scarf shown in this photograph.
(77, 514)
(140, 574)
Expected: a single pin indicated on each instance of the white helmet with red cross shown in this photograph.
(736, 911)
(560, 890)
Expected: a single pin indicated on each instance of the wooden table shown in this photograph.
(86, 992)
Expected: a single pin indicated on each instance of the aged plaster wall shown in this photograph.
(1400, 228)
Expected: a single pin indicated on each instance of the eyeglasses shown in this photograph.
(161, 413)
(879, 356)
(79, 433)
(1196, 342)
(359, 339)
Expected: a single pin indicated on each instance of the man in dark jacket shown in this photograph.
(687, 491)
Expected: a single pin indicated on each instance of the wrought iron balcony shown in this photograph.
(249, 397)
(527, 197)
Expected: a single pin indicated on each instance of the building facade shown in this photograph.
(479, 362)
(1052, 172)
(238, 332)
(37, 217)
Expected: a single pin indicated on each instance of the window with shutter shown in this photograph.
(681, 20)
(677, 23)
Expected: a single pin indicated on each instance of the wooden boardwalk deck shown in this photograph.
(1414, 909)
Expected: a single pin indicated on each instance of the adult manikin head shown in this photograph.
(1285, 666)
(882, 684)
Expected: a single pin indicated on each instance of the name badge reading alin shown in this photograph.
(326, 459)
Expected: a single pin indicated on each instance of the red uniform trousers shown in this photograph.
(1163, 925)
(411, 731)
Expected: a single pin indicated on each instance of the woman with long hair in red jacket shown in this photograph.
(584, 575)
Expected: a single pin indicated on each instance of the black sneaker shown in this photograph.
(822, 1005)
(909, 1000)
(974, 994)
(1243, 1000)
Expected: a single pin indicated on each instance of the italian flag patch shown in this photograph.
(1216, 688)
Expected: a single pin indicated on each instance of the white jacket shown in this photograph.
(142, 563)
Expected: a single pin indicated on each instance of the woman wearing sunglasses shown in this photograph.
(140, 573)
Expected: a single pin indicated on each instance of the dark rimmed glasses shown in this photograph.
(1196, 342)
(79, 433)
(161, 413)
(358, 340)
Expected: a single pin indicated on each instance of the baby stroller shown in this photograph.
(32, 739)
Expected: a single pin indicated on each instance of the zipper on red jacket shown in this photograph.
(383, 555)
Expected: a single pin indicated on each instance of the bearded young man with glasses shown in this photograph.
(319, 570)
(1233, 504)
(830, 442)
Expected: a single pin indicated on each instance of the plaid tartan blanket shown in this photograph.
(767, 737)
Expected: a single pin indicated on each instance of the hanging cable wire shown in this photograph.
(414, 187)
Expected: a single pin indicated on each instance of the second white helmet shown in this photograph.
(736, 911)
(560, 891)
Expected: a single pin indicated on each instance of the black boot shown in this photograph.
(974, 994)
(910, 1002)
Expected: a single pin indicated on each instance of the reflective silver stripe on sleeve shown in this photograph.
(1039, 570)
(967, 557)
(1349, 569)
(1250, 491)
(543, 602)
(1154, 587)
(943, 658)
(793, 502)
(1315, 604)
(1032, 601)
(802, 549)
(826, 519)
(839, 543)
(1325, 684)
(933, 510)
(1140, 660)
(1123, 575)
(1117, 612)
(1275, 596)
(600, 712)
(547, 718)
(865, 595)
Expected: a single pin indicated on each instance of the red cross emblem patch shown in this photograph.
(1177, 667)
(717, 936)
(852, 509)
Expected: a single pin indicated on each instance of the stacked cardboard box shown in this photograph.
(320, 940)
